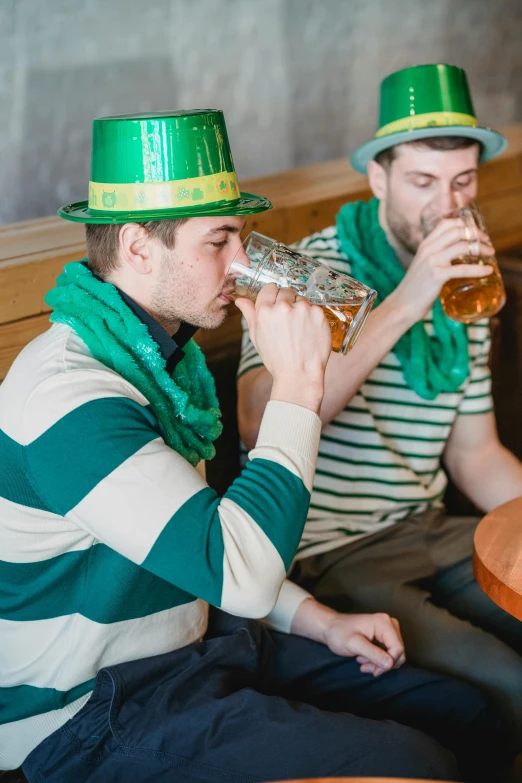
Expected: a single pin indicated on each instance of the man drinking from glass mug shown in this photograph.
(377, 536)
(113, 544)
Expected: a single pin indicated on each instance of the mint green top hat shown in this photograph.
(162, 167)
(422, 102)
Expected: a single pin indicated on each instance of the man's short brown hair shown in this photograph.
(102, 242)
(440, 143)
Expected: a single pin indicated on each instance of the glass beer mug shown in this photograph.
(346, 302)
(469, 299)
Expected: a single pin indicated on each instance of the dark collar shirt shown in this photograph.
(171, 346)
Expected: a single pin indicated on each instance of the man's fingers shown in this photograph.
(397, 628)
(466, 270)
(270, 295)
(286, 295)
(402, 657)
(458, 251)
(371, 668)
(361, 646)
(267, 295)
(401, 660)
(388, 634)
(449, 232)
(462, 249)
(453, 239)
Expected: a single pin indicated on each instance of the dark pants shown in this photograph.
(250, 705)
(420, 572)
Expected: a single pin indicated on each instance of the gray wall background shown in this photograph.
(297, 79)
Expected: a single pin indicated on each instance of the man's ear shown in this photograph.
(377, 176)
(134, 247)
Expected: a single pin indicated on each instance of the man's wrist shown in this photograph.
(313, 620)
(303, 392)
(397, 312)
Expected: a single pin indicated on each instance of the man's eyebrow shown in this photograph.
(420, 174)
(225, 227)
(434, 176)
(473, 170)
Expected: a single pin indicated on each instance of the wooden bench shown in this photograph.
(32, 254)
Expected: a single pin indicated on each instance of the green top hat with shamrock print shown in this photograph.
(162, 167)
(422, 102)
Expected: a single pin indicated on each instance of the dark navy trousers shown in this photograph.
(247, 704)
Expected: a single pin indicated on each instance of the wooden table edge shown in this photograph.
(499, 592)
(358, 779)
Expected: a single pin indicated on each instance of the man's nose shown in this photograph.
(449, 199)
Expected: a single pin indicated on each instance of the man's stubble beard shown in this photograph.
(404, 233)
(173, 303)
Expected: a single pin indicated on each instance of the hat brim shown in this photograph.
(247, 204)
(493, 143)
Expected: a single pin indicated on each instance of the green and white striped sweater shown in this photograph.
(380, 458)
(112, 544)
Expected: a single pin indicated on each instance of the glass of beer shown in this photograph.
(345, 301)
(469, 299)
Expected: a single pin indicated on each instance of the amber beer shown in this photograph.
(339, 320)
(345, 301)
(469, 299)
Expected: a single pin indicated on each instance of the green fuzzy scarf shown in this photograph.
(185, 403)
(430, 364)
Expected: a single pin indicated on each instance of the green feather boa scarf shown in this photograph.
(430, 364)
(185, 403)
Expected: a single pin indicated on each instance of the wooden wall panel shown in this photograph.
(37, 236)
(24, 283)
(503, 215)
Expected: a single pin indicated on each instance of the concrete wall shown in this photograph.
(297, 79)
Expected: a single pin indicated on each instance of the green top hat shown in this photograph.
(422, 102)
(162, 167)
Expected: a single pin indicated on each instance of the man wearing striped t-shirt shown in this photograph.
(415, 391)
(113, 544)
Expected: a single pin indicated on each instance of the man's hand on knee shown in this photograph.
(374, 639)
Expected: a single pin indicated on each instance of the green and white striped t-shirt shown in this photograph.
(380, 458)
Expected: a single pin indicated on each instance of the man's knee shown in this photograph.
(503, 681)
(497, 669)
(432, 761)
